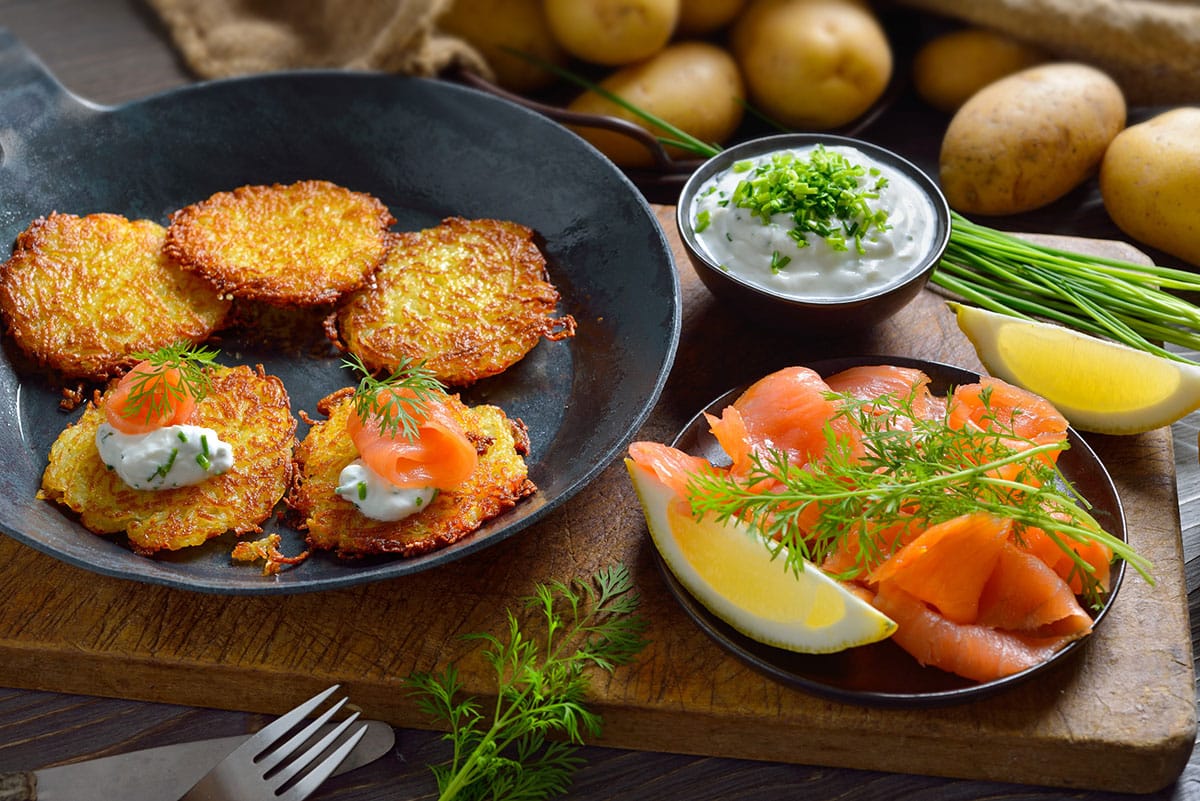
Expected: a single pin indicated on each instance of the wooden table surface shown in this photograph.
(112, 51)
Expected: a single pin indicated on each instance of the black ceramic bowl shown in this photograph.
(829, 315)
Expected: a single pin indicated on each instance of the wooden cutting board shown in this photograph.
(1119, 717)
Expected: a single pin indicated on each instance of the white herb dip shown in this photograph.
(165, 458)
(743, 245)
(378, 498)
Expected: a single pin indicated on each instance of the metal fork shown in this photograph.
(257, 769)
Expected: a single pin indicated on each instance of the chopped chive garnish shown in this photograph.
(163, 469)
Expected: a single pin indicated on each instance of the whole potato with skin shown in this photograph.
(612, 32)
(950, 68)
(812, 64)
(700, 17)
(1026, 140)
(694, 86)
(491, 26)
(1150, 182)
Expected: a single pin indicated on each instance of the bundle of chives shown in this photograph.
(1123, 301)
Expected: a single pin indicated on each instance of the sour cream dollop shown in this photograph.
(765, 254)
(166, 458)
(378, 498)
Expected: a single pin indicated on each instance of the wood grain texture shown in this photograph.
(110, 51)
(67, 630)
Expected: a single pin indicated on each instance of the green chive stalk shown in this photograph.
(1119, 300)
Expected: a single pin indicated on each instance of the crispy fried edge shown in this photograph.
(67, 366)
(193, 255)
(58, 494)
(385, 545)
(458, 373)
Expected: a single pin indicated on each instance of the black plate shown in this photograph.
(428, 149)
(882, 674)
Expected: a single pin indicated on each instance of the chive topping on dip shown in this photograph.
(814, 221)
(822, 193)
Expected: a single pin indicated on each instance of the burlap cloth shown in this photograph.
(1150, 47)
(222, 38)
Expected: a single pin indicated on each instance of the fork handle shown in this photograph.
(18, 787)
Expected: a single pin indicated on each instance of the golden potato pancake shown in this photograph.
(248, 409)
(469, 297)
(333, 523)
(302, 244)
(82, 295)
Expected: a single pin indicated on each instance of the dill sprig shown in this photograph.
(928, 475)
(542, 684)
(177, 372)
(399, 402)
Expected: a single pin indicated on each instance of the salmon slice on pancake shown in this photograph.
(498, 481)
(247, 408)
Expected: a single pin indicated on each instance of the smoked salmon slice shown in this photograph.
(907, 384)
(788, 411)
(1094, 553)
(439, 456)
(165, 400)
(970, 650)
(1024, 594)
(672, 466)
(996, 405)
(948, 565)
(730, 432)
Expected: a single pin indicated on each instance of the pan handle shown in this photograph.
(29, 94)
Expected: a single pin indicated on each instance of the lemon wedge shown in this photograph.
(1098, 385)
(730, 570)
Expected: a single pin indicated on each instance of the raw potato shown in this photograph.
(699, 17)
(612, 32)
(812, 64)
(695, 86)
(1028, 139)
(493, 25)
(1150, 182)
(950, 68)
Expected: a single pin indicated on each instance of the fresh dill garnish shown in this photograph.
(399, 402)
(890, 476)
(542, 681)
(152, 393)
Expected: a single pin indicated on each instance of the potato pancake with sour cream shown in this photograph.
(499, 481)
(301, 244)
(83, 295)
(247, 408)
(469, 298)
